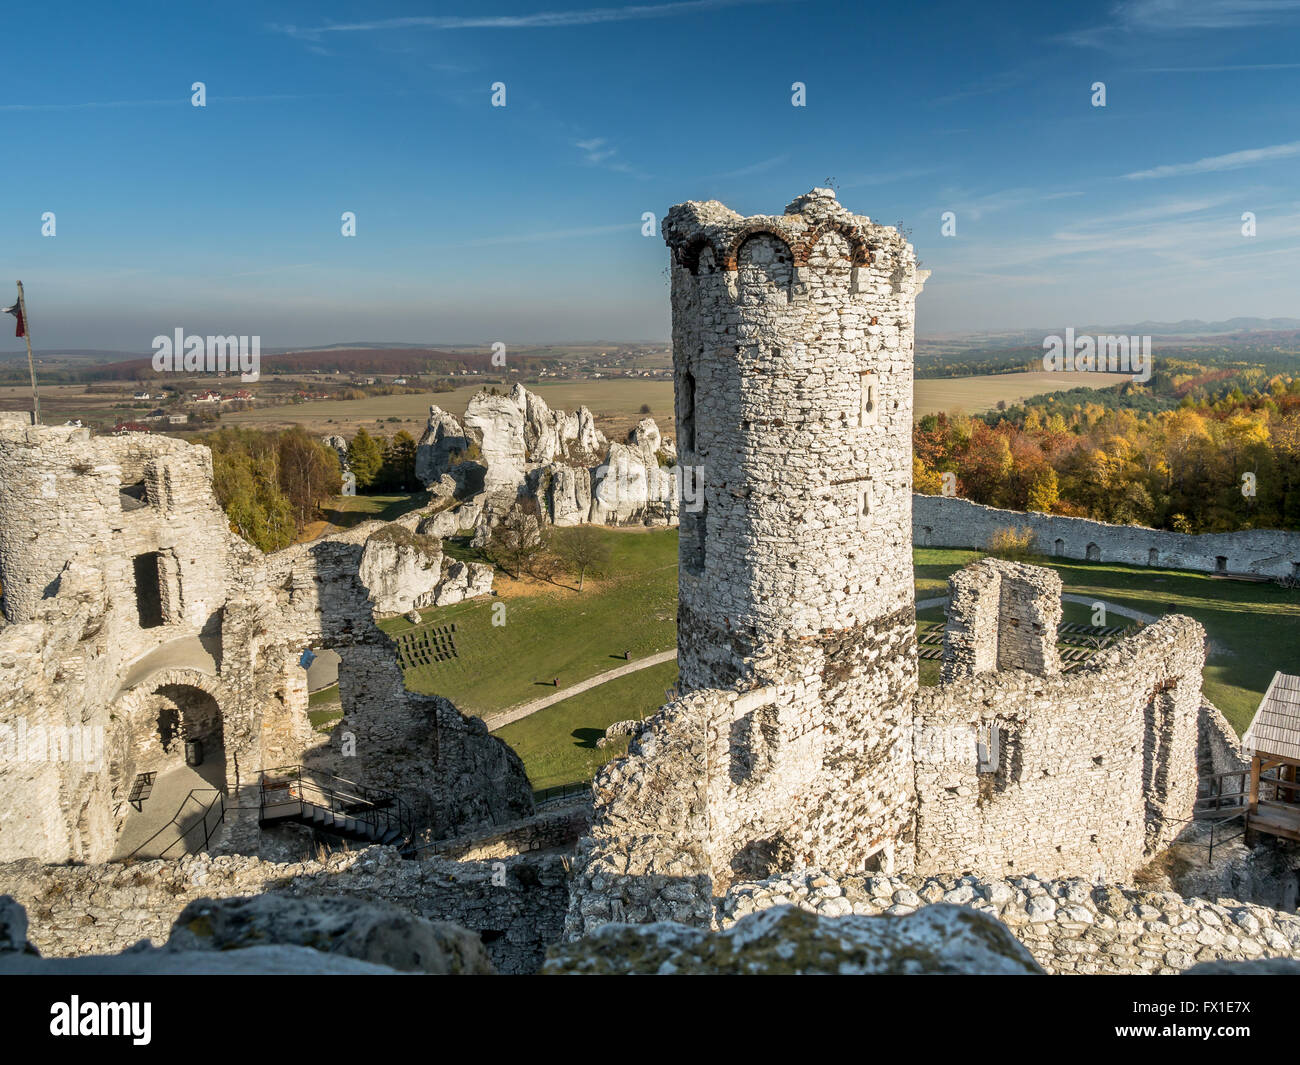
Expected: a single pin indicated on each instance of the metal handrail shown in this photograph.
(382, 811)
(208, 833)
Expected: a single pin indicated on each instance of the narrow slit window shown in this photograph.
(870, 399)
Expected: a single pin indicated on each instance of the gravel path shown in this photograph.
(514, 713)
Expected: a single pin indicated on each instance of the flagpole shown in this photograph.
(31, 364)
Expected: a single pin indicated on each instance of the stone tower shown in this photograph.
(792, 348)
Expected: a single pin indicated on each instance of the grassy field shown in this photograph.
(558, 744)
(549, 631)
(343, 512)
(553, 631)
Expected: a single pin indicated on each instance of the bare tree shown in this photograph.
(517, 542)
(583, 549)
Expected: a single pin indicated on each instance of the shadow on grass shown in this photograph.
(586, 737)
(374, 508)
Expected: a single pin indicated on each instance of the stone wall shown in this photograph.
(941, 521)
(1082, 774)
(137, 619)
(1070, 926)
(557, 828)
(517, 904)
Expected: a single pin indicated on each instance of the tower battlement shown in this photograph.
(792, 353)
(792, 350)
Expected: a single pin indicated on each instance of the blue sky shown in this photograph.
(523, 223)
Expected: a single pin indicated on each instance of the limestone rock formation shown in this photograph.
(524, 449)
(451, 521)
(631, 486)
(400, 569)
(500, 425)
(339, 445)
(404, 571)
(944, 940)
(441, 447)
(462, 580)
(569, 496)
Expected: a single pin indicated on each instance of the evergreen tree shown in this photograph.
(366, 458)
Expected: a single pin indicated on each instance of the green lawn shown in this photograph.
(1254, 629)
(556, 632)
(346, 511)
(324, 710)
(558, 744)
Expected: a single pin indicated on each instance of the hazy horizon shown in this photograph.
(477, 223)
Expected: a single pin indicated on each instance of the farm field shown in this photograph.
(616, 403)
(552, 631)
(974, 395)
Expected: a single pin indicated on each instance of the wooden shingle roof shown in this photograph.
(1275, 729)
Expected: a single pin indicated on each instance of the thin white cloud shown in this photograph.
(1213, 163)
(539, 20)
(1155, 17)
(597, 151)
(92, 105)
(974, 208)
(760, 167)
(888, 177)
(1216, 70)
(177, 101)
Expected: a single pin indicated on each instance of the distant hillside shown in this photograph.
(383, 361)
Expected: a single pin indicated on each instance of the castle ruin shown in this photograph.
(800, 740)
(801, 761)
(138, 624)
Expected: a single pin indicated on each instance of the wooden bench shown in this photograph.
(141, 790)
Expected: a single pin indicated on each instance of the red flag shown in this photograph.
(17, 311)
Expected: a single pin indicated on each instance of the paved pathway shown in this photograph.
(514, 713)
(186, 652)
(166, 802)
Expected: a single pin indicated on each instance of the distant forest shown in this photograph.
(1201, 465)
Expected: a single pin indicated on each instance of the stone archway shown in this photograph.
(158, 716)
(169, 735)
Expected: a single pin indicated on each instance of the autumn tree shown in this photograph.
(309, 472)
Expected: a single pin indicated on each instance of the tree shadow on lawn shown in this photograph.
(587, 737)
(391, 511)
